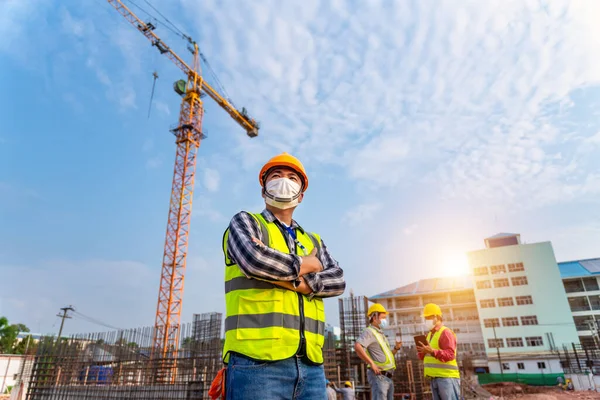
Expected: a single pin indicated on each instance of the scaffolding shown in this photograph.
(118, 365)
(353, 320)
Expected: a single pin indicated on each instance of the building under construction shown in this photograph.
(408, 378)
(122, 364)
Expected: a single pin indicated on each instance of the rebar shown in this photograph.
(118, 365)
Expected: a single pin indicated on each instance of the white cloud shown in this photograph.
(203, 208)
(361, 213)
(162, 107)
(212, 179)
(458, 93)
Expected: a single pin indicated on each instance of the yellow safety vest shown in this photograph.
(264, 321)
(434, 368)
(390, 361)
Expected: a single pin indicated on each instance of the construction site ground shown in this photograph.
(508, 390)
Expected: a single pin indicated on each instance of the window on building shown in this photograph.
(584, 323)
(510, 321)
(491, 322)
(501, 282)
(495, 343)
(524, 300)
(478, 346)
(590, 284)
(573, 286)
(462, 347)
(579, 304)
(498, 269)
(529, 320)
(506, 366)
(484, 284)
(541, 365)
(505, 302)
(514, 342)
(519, 280)
(478, 271)
(458, 298)
(516, 267)
(521, 365)
(534, 341)
(594, 302)
(487, 303)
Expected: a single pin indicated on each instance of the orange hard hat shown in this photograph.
(284, 160)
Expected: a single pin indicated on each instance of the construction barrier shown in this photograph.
(529, 379)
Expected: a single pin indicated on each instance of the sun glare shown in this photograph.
(455, 265)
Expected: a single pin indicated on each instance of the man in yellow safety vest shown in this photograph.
(439, 356)
(373, 348)
(276, 275)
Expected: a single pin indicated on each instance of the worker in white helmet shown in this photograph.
(373, 348)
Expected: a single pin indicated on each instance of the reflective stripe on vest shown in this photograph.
(435, 368)
(390, 361)
(263, 320)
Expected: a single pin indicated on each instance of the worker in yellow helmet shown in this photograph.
(439, 356)
(347, 392)
(276, 276)
(373, 348)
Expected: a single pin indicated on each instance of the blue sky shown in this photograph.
(425, 127)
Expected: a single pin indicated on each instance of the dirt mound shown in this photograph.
(510, 390)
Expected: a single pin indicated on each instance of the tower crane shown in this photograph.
(188, 135)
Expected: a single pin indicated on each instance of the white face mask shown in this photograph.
(432, 322)
(282, 193)
(383, 323)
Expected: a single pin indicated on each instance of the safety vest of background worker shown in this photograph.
(439, 356)
(276, 275)
(373, 348)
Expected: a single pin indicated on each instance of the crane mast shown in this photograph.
(188, 135)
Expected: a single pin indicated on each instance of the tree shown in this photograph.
(8, 335)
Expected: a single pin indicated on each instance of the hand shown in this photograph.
(311, 263)
(375, 369)
(398, 345)
(258, 242)
(425, 349)
(302, 287)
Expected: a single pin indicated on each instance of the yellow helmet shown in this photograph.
(348, 383)
(376, 308)
(431, 310)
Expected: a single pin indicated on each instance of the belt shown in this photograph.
(387, 374)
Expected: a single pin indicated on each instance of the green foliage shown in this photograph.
(26, 346)
(8, 337)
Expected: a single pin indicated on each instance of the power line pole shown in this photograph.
(498, 350)
(64, 316)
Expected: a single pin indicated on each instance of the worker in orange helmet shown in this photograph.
(276, 276)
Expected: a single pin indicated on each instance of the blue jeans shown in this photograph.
(445, 388)
(382, 387)
(288, 379)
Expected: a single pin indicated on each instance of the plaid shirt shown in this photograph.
(263, 262)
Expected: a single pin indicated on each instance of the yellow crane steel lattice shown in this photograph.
(188, 135)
